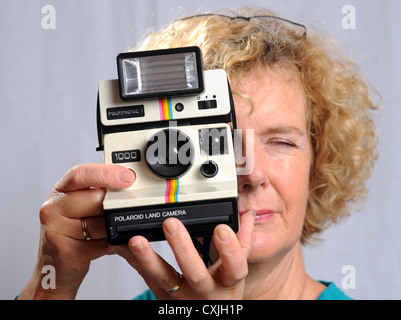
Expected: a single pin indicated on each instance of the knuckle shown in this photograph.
(98, 196)
(241, 271)
(69, 178)
(51, 208)
(75, 173)
(100, 178)
(166, 282)
(89, 174)
(198, 279)
(45, 212)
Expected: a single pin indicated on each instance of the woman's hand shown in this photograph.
(225, 279)
(78, 195)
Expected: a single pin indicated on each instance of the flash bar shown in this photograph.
(160, 73)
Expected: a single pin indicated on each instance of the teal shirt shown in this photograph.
(332, 292)
(147, 295)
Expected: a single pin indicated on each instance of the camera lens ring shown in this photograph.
(169, 153)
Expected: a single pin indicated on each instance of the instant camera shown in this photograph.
(167, 119)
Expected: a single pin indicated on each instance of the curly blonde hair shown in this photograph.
(339, 99)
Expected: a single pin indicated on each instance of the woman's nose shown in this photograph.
(256, 175)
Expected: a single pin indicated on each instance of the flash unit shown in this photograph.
(160, 73)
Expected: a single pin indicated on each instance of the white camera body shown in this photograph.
(181, 150)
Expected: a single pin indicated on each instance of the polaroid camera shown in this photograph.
(167, 119)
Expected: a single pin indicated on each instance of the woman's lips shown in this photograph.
(261, 215)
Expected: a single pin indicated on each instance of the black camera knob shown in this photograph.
(209, 169)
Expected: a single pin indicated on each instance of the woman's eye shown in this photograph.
(281, 143)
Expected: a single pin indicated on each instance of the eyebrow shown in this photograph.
(284, 129)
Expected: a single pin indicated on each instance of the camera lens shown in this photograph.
(169, 154)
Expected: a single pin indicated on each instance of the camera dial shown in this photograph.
(169, 153)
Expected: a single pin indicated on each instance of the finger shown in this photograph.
(234, 265)
(95, 228)
(234, 250)
(245, 232)
(188, 259)
(157, 273)
(73, 228)
(95, 175)
(77, 204)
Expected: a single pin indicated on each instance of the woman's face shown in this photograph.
(277, 187)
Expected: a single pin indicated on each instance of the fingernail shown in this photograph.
(223, 233)
(252, 212)
(126, 176)
(171, 226)
(137, 245)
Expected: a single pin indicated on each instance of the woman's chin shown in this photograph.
(266, 247)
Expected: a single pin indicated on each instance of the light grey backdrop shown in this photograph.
(48, 87)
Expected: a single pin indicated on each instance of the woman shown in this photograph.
(309, 109)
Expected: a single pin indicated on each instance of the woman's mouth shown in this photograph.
(261, 215)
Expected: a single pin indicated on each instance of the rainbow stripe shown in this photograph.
(166, 111)
(171, 191)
